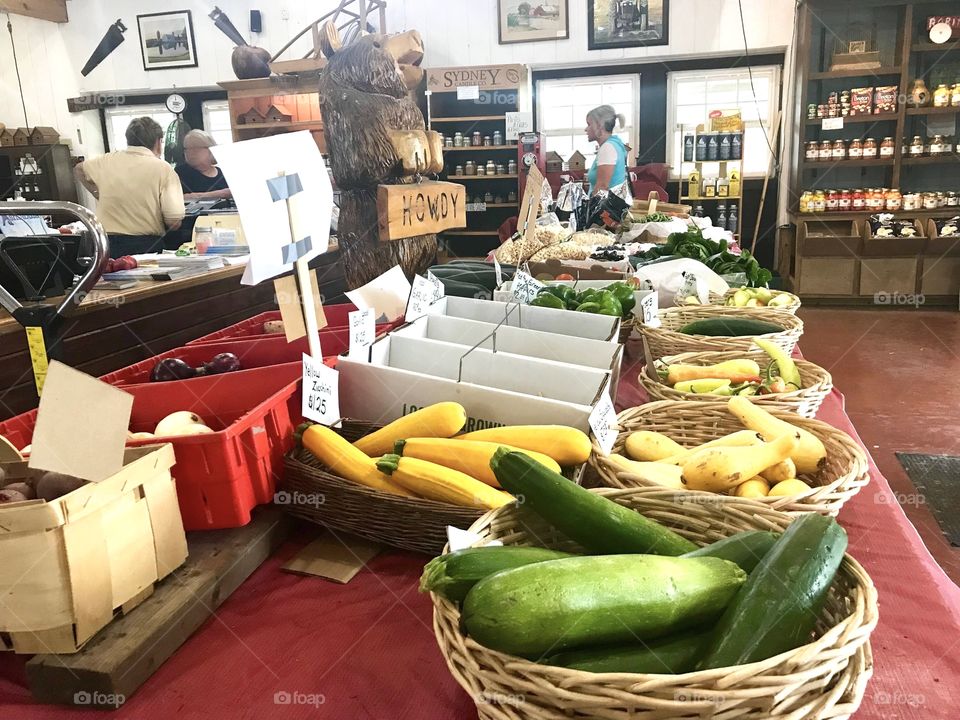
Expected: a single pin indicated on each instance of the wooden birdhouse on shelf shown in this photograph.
(554, 162)
(277, 114)
(577, 162)
(43, 135)
(21, 136)
(251, 117)
(6, 137)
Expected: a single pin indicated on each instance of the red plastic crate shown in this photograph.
(253, 353)
(222, 476)
(337, 317)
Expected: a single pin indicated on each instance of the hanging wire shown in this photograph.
(16, 66)
(746, 54)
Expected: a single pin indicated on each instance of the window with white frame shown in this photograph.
(118, 118)
(693, 95)
(562, 107)
(216, 121)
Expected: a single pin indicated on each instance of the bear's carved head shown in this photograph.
(376, 63)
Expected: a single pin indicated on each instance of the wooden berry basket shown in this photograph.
(70, 564)
(668, 340)
(843, 475)
(817, 383)
(312, 492)
(825, 678)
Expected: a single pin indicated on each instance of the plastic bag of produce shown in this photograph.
(653, 232)
(668, 278)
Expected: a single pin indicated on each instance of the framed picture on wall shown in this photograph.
(167, 41)
(627, 23)
(522, 21)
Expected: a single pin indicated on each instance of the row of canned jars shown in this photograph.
(874, 200)
(458, 139)
(488, 168)
(868, 148)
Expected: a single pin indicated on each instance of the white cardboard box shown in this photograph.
(505, 292)
(405, 374)
(597, 354)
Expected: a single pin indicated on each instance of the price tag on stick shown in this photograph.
(321, 392)
(650, 310)
(525, 287)
(363, 330)
(423, 294)
(603, 422)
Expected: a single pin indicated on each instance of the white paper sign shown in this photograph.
(439, 290)
(363, 331)
(603, 422)
(321, 392)
(832, 123)
(424, 293)
(264, 175)
(526, 287)
(498, 270)
(650, 309)
(387, 293)
(468, 92)
(459, 539)
(518, 122)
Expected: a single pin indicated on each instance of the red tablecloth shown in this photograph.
(298, 647)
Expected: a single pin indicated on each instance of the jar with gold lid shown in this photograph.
(869, 149)
(929, 201)
(953, 199)
(893, 200)
(916, 146)
(813, 151)
(936, 146)
(826, 151)
(491, 167)
(912, 201)
(819, 201)
(481, 169)
(470, 168)
(888, 148)
(806, 202)
(855, 151)
(941, 96)
(839, 150)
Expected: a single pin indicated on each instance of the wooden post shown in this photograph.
(306, 290)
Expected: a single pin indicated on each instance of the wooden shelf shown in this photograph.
(953, 110)
(931, 160)
(502, 205)
(837, 74)
(458, 178)
(883, 117)
(870, 162)
(479, 147)
(940, 212)
(304, 124)
(710, 199)
(471, 233)
(933, 47)
(471, 118)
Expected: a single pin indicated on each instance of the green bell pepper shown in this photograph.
(625, 294)
(589, 307)
(549, 300)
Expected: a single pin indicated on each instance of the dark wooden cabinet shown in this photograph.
(39, 172)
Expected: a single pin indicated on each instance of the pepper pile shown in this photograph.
(715, 255)
(617, 299)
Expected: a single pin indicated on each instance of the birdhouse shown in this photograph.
(21, 136)
(6, 138)
(554, 162)
(251, 117)
(577, 162)
(42, 135)
(278, 113)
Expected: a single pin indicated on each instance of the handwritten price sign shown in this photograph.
(526, 287)
(321, 392)
(424, 293)
(363, 330)
(603, 422)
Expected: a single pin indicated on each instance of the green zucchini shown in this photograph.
(730, 327)
(746, 549)
(457, 288)
(600, 525)
(777, 608)
(670, 655)
(452, 575)
(582, 601)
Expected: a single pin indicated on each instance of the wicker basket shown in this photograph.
(824, 679)
(316, 494)
(693, 423)
(817, 383)
(721, 299)
(667, 340)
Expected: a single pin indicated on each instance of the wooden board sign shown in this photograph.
(485, 77)
(420, 209)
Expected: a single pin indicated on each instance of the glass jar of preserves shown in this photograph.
(470, 168)
(487, 141)
(501, 169)
(855, 151)
(941, 200)
(869, 148)
(448, 141)
(955, 95)
(916, 146)
(936, 146)
(894, 200)
(491, 167)
(512, 167)
(813, 151)
(481, 169)
(875, 201)
(952, 199)
(458, 170)
(821, 111)
(819, 202)
(941, 96)
(929, 201)
(912, 201)
(826, 151)
(859, 200)
(497, 137)
(806, 202)
(476, 139)
(846, 200)
(839, 150)
(833, 200)
(812, 111)
(888, 148)
(458, 139)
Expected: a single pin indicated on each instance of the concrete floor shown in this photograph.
(900, 373)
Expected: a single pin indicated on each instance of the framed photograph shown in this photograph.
(167, 41)
(627, 23)
(857, 46)
(522, 21)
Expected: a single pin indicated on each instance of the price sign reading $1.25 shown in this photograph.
(321, 392)
(363, 331)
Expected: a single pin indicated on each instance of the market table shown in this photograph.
(300, 647)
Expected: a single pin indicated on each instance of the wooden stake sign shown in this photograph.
(420, 209)
(530, 205)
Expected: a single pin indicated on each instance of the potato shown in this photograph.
(25, 489)
(172, 423)
(11, 496)
(52, 485)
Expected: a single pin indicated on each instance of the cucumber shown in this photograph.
(582, 601)
(746, 549)
(730, 327)
(465, 289)
(452, 575)
(777, 608)
(671, 655)
(600, 525)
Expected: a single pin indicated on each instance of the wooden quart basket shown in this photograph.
(71, 564)
(668, 340)
(817, 383)
(843, 475)
(312, 492)
(825, 678)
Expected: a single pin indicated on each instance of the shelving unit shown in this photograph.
(819, 257)
(500, 90)
(724, 170)
(54, 181)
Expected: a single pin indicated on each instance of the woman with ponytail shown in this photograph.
(609, 169)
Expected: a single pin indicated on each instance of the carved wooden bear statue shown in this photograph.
(375, 135)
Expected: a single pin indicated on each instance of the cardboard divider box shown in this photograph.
(562, 322)
(404, 374)
(596, 354)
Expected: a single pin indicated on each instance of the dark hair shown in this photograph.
(144, 132)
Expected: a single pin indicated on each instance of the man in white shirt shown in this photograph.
(139, 195)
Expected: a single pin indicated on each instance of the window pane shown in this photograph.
(561, 144)
(589, 94)
(558, 117)
(691, 115)
(618, 93)
(762, 85)
(690, 92)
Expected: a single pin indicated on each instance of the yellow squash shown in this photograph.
(347, 461)
(741, 438)
(719, 469)
(733, 370)
(649, 446)
(788, 488)
(754, 488)
(652, 472)
(444, 419)
(810, 453)
(780, 472)
(468, 456)
(436, 482)
(566, 445)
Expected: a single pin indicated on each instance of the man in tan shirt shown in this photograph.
(139, 195)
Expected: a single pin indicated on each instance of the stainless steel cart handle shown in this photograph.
(98, 262)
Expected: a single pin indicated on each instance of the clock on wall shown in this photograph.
(940, 33)
(176, 103)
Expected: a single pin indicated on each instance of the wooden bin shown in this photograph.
(940, 274)
(70, 565)
(827, 256)
(890, 265)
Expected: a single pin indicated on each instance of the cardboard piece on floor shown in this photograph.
(335, 557)
(291, 309)
(81, 425)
